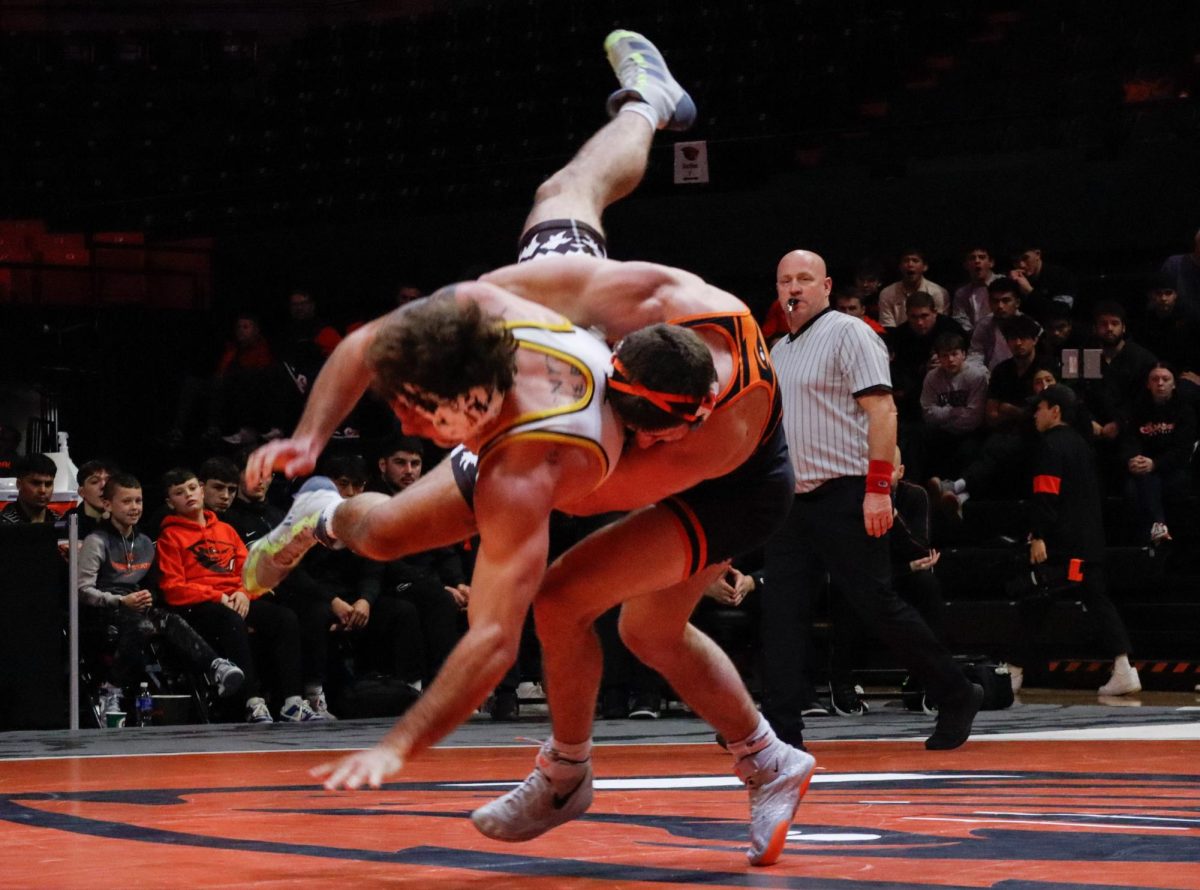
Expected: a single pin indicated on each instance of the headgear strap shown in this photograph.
(687, 408)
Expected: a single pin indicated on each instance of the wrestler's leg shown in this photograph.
(602, 571)
(429, 513)
(607, 168)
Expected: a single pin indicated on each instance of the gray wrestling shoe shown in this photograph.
(273, 557)
(775, 794)
(644, 76)
(534, 807)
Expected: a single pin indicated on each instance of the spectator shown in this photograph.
(113, 564)
(200, 562)
(433, 581)
(1170, 330)
(1183, 271)
(1041, 283)
(1058, 334)
(893, 299)
(92, 477)
(1125, 364)
(953, 401)
(1010, 385)
(988, 346)
(850, 302)
(971, 304)
(868, 281)
(35, 487)
(246, 386)
(1157, 442)
(220, 478)
(1067, 537)
(302, 347)
(911, 346)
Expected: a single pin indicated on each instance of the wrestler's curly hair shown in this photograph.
(666, 358)
(444, 347)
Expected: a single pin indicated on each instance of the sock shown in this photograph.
(1121, 664)
(313, 689)
(563, 764)
(324, 530)
(958, 486)
(759, 739)
(644, 109)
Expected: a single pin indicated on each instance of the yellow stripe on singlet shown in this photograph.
(563, 327)
(571, 408)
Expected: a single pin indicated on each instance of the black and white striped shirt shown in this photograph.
(821, 369)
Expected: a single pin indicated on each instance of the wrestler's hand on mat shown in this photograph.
(877, 513)
(369, 767)
(295, 457)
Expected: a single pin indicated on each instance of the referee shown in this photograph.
(840, 423)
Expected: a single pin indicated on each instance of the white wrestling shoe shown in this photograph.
(271, 558)
(644, 76)
(775, 794)
(534, 807)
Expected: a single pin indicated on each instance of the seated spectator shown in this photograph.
(113, 564)
(1058, 334)
(850, 303)
(92, 477)
(1010, 384)
(911, 346)
(246, 387)
(953, 400)
(1041, 283)
(970, 304)
(893, 299)
(1124, 364)
(302, 347)
(1157, 442)
(1001, 463)
(433, 581)
(35, 487)
(1183, 271)
(220, 478)
(988, 346)
(1170, 330)
(868, 281)
(200, 561)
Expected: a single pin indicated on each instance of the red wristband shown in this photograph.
(879, 477)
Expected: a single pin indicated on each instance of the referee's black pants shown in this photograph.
(824, 532)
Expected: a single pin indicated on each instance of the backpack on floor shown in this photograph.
(372, 695)
(979, 669)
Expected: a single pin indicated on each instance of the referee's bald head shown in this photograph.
(802, 286)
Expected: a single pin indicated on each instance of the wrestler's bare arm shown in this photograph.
(337, 389)
(615, 296)
(517, 488)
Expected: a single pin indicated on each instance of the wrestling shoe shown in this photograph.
(844, 698)
(257, 711)
(644, 76)
(775, 794)
(534, 807)
(226, 676)
(271, 558)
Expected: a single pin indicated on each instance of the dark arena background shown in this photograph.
(168, 166)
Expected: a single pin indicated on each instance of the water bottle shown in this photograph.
(145, 706)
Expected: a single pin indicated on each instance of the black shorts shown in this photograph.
(735, 513)
(562, 236)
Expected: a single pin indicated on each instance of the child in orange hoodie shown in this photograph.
(200, 564)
